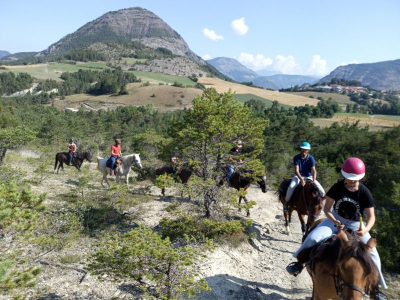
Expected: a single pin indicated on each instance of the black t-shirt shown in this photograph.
(350, 205)
(234, 152)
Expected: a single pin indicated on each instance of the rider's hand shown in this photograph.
(361, 232)
(339, 225)
(303, 182)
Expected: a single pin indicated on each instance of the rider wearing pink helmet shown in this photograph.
(346, 201)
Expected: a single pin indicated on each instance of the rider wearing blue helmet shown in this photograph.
(304, 168)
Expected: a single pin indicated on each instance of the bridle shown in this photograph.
(340, 284)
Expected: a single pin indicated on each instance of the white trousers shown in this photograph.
(327, 229)
(296, 181)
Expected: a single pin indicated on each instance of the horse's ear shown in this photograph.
(343, 238)
(371, 243)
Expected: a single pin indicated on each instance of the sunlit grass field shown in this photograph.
(339, 98)
(246, 97)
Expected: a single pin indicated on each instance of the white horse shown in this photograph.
(122, 170)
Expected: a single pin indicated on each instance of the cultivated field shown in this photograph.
(284, 98)
(339, 98)
(375, 122)
(163, 97)
(246, 97)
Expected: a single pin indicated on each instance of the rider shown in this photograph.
(115, 153)
(304, 168)
(235, 151)
(349, 199)
(71, 151)
(174, 161)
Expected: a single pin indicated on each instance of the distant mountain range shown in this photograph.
(238, 72)
(383, 75)
(4, 53)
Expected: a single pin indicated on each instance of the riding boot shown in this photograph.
(296, 267)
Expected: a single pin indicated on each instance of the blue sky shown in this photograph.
(306, 37)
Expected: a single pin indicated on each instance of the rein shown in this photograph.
(340, 283)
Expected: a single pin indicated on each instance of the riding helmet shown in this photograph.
(71, 140)
(353, 168)
(117, 141)
(305, 145)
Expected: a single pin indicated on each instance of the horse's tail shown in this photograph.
(55, 165)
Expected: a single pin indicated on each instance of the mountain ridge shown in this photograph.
(383, 75)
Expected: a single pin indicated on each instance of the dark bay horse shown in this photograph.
(343, 269)
(305, 200)
(183, 174)
(242, 180)
(62, 158)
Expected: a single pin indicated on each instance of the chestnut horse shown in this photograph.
(305, 200)
(183, 174)
(77, 160)
(343, 269)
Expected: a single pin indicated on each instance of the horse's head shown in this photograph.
(263, 183)
(88, 156)
(356, 272)
(136, 161)
(314, 202)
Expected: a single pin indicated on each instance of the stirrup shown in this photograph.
(294, 268)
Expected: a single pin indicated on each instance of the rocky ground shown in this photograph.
(253, 270)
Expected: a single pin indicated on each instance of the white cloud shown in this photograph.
(212, 35)
(239, 27)
(349, 63)
(255, 63)
(286, 65)
(318, 66)
(206, 57)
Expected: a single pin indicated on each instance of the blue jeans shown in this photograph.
(229, 174)
(113, 160)
(70, 156)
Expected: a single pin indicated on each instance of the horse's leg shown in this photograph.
(248, 210)
(287, 217)
(303, 224)
(163, 191)
(240, 203)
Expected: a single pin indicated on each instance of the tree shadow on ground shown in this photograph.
(241, 289)
(50, 296)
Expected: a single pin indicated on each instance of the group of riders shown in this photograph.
(345, 202)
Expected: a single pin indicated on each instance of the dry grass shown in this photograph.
(285, 98)
(163, 97)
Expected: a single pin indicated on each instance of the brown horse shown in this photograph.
(305, 200)
(240, 181)
(343, 269)
(62, 158)
(183, 174)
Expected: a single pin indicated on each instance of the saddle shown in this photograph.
(285, 186)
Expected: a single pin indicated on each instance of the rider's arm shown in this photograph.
(314, 173)
(297, 172)
(370, 222)
(327, 210)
